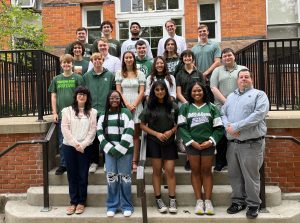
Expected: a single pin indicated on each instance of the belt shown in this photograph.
(247, 140)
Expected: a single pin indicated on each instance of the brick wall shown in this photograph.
(282, 162)
(110, 15)
(191, 19)
(22, 167)
(243, 19)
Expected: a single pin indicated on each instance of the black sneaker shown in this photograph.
(252, 212)
(219, 167)
(161, 207)
(60, 170)
(187, 166)
(235, 208)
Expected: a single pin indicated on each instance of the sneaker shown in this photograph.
(60, 170)
(252, 212)
(219, 167)
(187, 166)
(127, 213)
(172, 206)
(110, 213)
(93, 168)
(235, 208)
(161, 207)
(199, 208)
(209, 209)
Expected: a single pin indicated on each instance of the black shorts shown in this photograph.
(164, 152)
(190, 150)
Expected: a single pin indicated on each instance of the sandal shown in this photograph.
(79, 209)
(71, 209)
(134, 165)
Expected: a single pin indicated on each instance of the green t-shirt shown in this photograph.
(64, 87)
(99, 85)
(83, 63)
(87, 52)
(206, 54)
(160, 120)
(144, 65)
(200, 123)
(114, 47)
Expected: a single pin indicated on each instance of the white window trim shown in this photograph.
(118, 8)
(217, 14)
(84, 11)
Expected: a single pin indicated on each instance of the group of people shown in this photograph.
(197, 98)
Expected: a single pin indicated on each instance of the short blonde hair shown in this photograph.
(97, 55)
(66, 58)
(103, 39)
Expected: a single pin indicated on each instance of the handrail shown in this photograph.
(262, 172)
(45, 143)
(140, 177)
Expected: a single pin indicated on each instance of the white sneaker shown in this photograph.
(209, 209)
(161, 207)
(199, 208)
(93, 168)
(110, 213)
(127, 213)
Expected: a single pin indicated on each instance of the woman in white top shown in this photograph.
(130, 82)
(159, 72)
(79, 123)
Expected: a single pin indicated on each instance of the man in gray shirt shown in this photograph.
(222, 83)
(243, 117)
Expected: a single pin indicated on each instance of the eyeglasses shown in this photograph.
(114, 98)
(81, 94)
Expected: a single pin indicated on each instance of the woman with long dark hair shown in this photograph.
(78, 128)
(201, 128)
(130, 82)
(159, 72)
(170, 55)
(115, 134)
(158, 120)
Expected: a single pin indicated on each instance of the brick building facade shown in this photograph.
(233, 23)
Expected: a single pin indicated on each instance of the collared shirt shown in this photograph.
(180, 42)
(246, 112)
(111, 63)
(225, 80)
(206, 54)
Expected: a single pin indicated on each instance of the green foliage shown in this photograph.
(22, 25)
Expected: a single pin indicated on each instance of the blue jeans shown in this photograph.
(77, 171)
(118, 176)
(60, 139)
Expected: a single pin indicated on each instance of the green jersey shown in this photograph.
(64, 87)
(200, 123)
(144, 65)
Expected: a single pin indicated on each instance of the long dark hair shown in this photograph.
(164, 72)
(88, 103)
(165, 54)
(153, 102)
(124, 68)
(106, 114)
(205, 94)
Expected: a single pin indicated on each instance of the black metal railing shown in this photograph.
(24, 78)
(274, 64)
(45, 143)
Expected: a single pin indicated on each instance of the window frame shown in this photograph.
(217, 19)
(84, 11)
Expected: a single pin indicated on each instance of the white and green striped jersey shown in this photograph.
(200, 123)
(118, 140)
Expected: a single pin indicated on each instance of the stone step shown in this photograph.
(59, 195)
(98, 178)
(21, 212)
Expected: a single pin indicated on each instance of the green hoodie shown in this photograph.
(99, 85)
(144, 65)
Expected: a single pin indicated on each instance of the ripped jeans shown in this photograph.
(118, 176)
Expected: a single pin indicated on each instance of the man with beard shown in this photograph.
(129, 44)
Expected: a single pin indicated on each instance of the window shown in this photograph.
(123, 31)
(32, 4)
(153, 34)
(209, 14)
(147, 5)
(283, 18)
(92, 18)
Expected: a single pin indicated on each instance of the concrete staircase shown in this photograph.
(30, 210)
